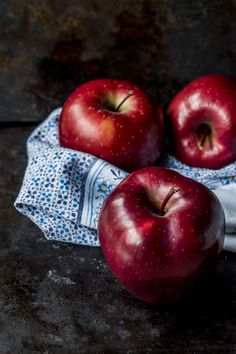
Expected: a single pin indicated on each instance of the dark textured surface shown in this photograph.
(47, 48)
(60, 298)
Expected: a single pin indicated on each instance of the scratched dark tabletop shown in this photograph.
(61, 298)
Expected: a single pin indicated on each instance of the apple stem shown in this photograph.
(123, 101)
(203, 138)
(171, 192)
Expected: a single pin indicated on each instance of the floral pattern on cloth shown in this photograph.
(101, 180)
(211, 178)
(63, 190)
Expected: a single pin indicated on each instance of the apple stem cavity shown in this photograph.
(171, 192)
(204, 136)
(123, 101)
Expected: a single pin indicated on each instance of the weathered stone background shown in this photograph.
(47, 48)
(60, 298)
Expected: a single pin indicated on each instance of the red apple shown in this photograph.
(203, 120)
(114, 120)
(158, 231)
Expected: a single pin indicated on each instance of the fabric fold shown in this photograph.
(63, 190)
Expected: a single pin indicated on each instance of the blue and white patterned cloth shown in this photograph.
(63, 190)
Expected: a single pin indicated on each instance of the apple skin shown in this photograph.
(208, 102)
(130, 138)
(158, 258)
